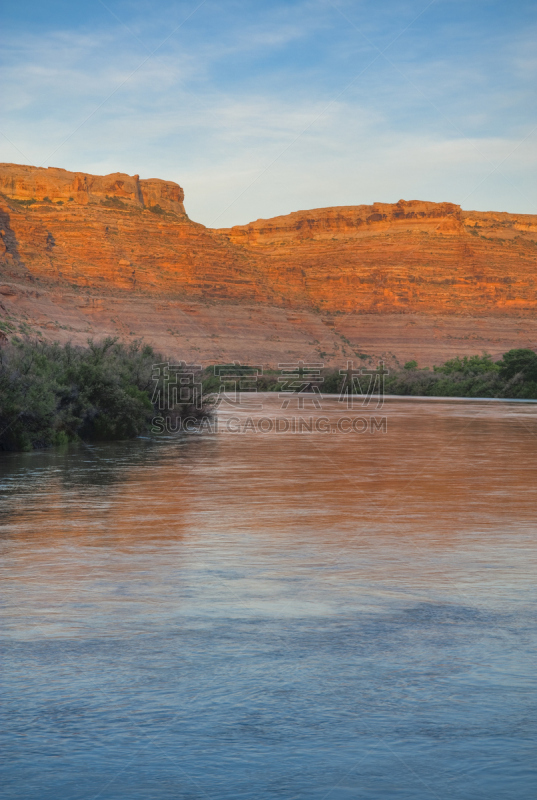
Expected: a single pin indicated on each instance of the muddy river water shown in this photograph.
(318, 614)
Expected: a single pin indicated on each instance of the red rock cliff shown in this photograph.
(117, 235)
(410, 256)
(60, 186)
(103, 232)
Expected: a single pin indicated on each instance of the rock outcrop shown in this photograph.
(349, 222)
(115, 243)
(409, 257)
(58, 186)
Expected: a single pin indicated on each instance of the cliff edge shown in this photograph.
(108, 245)
(58, 186)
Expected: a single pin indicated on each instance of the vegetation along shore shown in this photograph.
(51, 394)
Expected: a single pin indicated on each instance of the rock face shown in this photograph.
(58, 186)
(407, 257)
(118, 246)
(349, 222)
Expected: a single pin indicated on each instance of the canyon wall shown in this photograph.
(87, 255)
(430, 258)
(59, 187)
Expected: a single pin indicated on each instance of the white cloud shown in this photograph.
(245, 148)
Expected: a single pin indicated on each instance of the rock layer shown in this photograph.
(58, 186)
(116, 243)
(407, 257)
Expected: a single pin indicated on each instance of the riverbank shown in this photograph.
(514, 376)
(52, 394)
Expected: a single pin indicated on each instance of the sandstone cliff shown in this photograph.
(408, 257)
(116, 244)
(59, 186)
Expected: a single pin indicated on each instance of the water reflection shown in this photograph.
(266, 616)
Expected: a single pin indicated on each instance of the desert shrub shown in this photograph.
(51, 393)
(29, 202)
(468, 365)
(519, 362)
(515, 376)
(113, 202)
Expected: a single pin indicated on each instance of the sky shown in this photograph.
(262, 108)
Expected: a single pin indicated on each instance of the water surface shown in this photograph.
(286, 615)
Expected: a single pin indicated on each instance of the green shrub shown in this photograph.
(52, 394)
(519, 362)
(515, 376)
(468, 365)
(114, 202)
(29, 202)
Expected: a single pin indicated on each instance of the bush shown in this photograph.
(114, 202)
(29, 202)
(51, 394)
(468, 365)
(515, 376)
(519, 362)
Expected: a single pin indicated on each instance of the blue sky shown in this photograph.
(262, 108)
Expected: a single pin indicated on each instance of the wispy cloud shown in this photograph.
(263, 108)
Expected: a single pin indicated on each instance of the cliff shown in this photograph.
(58, 186)
(411, 256)
(349, 222)
(116, 243)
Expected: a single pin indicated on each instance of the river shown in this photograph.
(314, 615)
